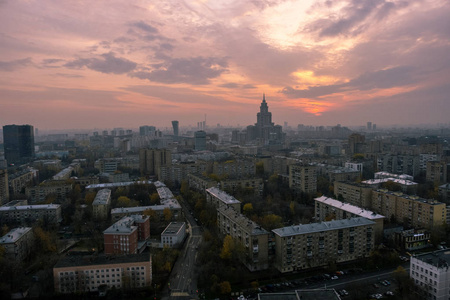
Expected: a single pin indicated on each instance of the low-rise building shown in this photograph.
(219, 198)
(318, 244)
(174, 234)
(430, 273)
(327, 209)
(18, 243)
(102, 204)
(29, 214)
(247, 233)
(409, 240)
(74, 273)
(171, 204)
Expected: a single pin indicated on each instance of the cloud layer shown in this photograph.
(318, 62)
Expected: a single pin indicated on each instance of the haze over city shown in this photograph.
(89, 64)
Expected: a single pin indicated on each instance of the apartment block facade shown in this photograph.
(303, 178)
(18, 243)
(121, 237)
(318, 244)
(410, 210)
(102, 204)
(74, 274)
(247, 233)
(29, 214)
(327, 209)
(353, 193)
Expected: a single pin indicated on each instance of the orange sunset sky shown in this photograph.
(104, 64)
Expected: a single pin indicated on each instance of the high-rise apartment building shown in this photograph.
(18, 143)
(147, 130)
(303, 178)
(200, 140)
(175, 127)
(150, 160)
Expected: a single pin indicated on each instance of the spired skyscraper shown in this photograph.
(265, 132)
(18, 143)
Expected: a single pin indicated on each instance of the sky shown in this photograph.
(114, 63)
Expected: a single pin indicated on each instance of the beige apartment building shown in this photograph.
(410, 210)
(354, 193)
(219, 198)
(318, 244)
(102, 204)
(303, 178)
(29, 214)
(75, 273)
(18, 243)
(327, 209)
(59, 188)
(247, 233)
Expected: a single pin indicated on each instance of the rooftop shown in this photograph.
(439, 259)
(322, 226)
(164, 193)
(13, 235)
(222, 196)
(25, 207)
(116, 184)
(124, 226)
(103, 197)
(386, 179)
(316, 294)
(173, 228)
(95, 260)
(349, 208)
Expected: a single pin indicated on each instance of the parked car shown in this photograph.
(334, 277)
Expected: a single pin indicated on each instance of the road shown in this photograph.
(183, 280)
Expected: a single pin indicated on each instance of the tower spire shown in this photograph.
(264, 97)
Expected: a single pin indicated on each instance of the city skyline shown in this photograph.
(108, 64)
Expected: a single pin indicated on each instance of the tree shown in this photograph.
(153, 215)
(228, 247)
(248, 209)
(154, 198)
(123, 201)
(225, 287)
(89, 198)
(167, 213)
(44, 240)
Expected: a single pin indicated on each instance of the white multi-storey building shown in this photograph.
(174, 234)
(431, 274)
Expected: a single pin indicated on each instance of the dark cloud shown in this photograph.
(382, 79)
(12, 65)
(195, 70)
(352, 19)
(68, 75)
(108, 63)
(52, 60)
(145, 27)
(233, 85)
(123, 39)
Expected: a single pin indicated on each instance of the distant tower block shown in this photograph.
(175, 128)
